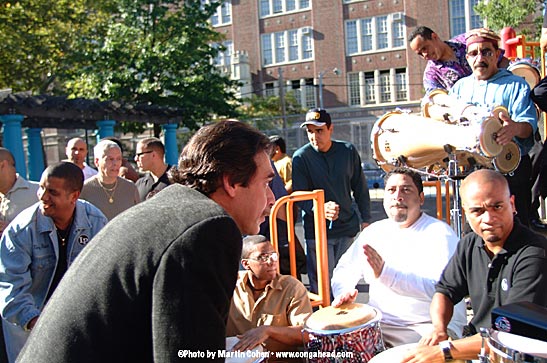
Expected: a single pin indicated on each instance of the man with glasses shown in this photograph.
(266, 307)
(490, 86)
(150, 158)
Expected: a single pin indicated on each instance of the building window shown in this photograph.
(223, 14)
(377, 33)
(224, 57)
(304, 91)
(463, 17)
(269, 89)
(277, 7)
(288, 46)
(377, 87)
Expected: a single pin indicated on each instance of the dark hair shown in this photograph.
(278, 141)
(153, 143)
(5, 154)
(422, 31)
(69, 172)
(224, 148)
(416, 177)
(249, 243)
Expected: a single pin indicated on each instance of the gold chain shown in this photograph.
(109, 191)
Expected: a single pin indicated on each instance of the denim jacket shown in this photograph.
(29, 253)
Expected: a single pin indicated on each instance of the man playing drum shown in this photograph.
(489, 87)
(401, 257)
(499, 263)
(266, 307)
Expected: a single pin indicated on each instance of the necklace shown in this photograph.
(62, 234)
(109, 191)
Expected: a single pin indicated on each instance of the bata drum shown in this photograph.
(511, 348)
(527, 69)
(350, 333)
(256, 355)
(396, 354)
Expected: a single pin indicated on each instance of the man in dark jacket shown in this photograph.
(157, 285)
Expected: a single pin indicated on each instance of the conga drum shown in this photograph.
(527, 69)
(256, 355)
(349, 333)
(511, 348)
(396, 354)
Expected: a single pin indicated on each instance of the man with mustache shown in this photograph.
(499, 263)
(401, 258)
(490, 86)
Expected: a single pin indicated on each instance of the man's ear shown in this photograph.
(245, 264)
(228, 186)
(96, 161)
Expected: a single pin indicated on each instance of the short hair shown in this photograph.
(69, 172)
(223, 148)
(422, 31)
(249, 243)
(116, 140)
(415, 176)
(5, 154)
(279, 141)
(103, 146)
(153, 143)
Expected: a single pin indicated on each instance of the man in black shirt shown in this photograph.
(150, 158)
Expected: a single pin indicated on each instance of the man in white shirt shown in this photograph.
(401, 257)
(76, 152)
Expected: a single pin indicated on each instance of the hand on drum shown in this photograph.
(331, 210)
(424, 354)
(434, 338)
(509, 129)
(346, 298)
(252, 338)
(375, 261)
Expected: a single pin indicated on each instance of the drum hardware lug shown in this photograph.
(485, 334)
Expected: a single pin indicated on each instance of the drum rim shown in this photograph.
(514, 354)
(516, 148)
(371, 323)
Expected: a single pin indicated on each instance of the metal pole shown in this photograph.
(321, 89)
(282, 100)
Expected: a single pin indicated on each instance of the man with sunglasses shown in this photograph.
(150, 158)
(490, 86)
(266, 307)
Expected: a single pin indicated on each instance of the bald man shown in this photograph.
(76, 152)
(499, 263)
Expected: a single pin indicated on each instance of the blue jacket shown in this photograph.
(502, 89)
(28, 259)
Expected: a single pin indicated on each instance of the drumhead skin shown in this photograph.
(527, 71)
(520, 349)
(509, 158)
(344, 318)
(242, 358)
(396, 354)
(490, 126)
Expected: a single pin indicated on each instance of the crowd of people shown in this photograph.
(102, 264)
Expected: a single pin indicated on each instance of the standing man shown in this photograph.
(489, 87)
(401, 258)
(108, 191)
(282, 161)
(76, 152)
(500, 262)
(335, 167)
(267, 308)
(150, 158)
(156, 284)
(37, 248)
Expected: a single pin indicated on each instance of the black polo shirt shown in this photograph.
(147, 187)
(517, 273)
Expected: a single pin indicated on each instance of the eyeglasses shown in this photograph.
(266, 257)
(484, 52)
(138, 155)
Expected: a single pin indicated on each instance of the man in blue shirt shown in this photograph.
(335, 167)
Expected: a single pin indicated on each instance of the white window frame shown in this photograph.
(280, 43)
(224, 58)
(463, 17)
(223, 15)
(268, 8)
(377, 87)
(363, 35)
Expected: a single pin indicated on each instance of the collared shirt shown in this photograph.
(284, 302)
(88, 171)
(148, 187)
(517, 273)
(284, 168)
(21, 195)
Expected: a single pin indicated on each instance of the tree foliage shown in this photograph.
(502, 13)
(265, 112)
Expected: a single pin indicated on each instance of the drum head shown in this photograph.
(346, 316)
(508, 160)
(489, 127)
(394, 354)
(527, 71)
(251, 356)
(529, 350)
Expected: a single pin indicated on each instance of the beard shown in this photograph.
(400, 216)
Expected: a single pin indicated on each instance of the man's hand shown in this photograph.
(424, 354)
(331, 210)
(252, 338)
(375, 261)
(434, 338)
(346, 298)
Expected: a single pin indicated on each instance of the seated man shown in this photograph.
(499, 263)
(266, 307)
(401, 257)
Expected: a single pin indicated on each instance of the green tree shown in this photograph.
(514, 13)
(266, 112)
(158, 53)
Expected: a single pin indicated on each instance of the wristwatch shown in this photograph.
(446, 345)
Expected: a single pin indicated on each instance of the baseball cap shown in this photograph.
(317, 117)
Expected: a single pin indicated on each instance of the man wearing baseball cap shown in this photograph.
(335, 167)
